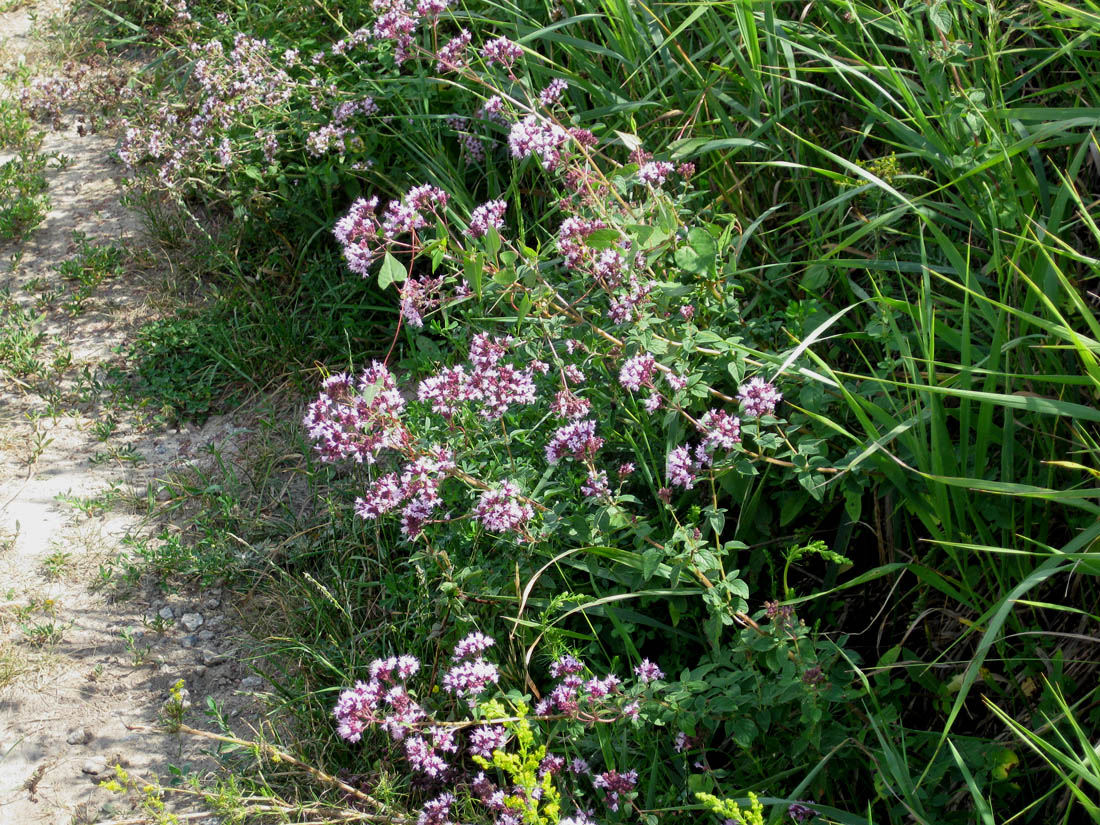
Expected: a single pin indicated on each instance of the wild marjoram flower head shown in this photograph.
(758, 397)
(510, 744)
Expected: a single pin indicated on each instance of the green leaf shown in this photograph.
(474, 266)
(492, 241)
(651, 560)
(602, 238)
(391, 272)
(940, 15)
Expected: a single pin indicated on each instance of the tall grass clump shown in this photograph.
(724, 431)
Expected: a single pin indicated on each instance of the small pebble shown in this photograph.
(192, 621)
(95, 766)
(166, 613)
(79, 736)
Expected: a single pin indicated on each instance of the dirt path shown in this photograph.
(81, 667)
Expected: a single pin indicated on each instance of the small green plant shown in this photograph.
(45, 634)
(16, 128)
(104, 428)
(127, 453)
(39, 441)
(57, 564)
(23, 204)
(175, 707)
(139, 655)
(730, 810)
(87, 269)
(96, 505)
(157, 623)
(21, 340)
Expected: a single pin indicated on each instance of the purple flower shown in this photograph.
(648, 672)
(486, 215)
(502, 51)
(801, 812)
(472, 645)
(553, 92)
(422, 757)
(680, 468)
(577, 440)
(501, 511)
(599, 688)
(451, 56)
(720, 429)
(567, 664)
(654, 173)
(436, 811)
(470, 678)
(355, 709)
(758, 397)
(613, 783)
(446, 390)
(532, 136)
(595, 485)
(552, 765)
(637, 371)
(487, 738)
(675, 381)
(567, 405)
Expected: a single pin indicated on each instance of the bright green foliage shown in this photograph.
(730, 809)
(521, 767)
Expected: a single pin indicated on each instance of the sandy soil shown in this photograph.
(83, 671)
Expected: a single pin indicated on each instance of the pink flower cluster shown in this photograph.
(577, 440)
(613, 784)
(758, 397)
(501, 50)
(720, 429)
(487, 738)
(419, 295)
(364, 235)
(567, 405)
(452, 55)
(638, 371)
(684, 464)
(571, 240)
(654, 173)
(494, 385)
(553, 92)
(574, 695)
(502, 511)
(472, 674)
(490, 214)
(417, 488)
(537, 136)
(398, 20)
(625, 305)
(426, 755)
(357, 418)
(383, 701)
(231, 87)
